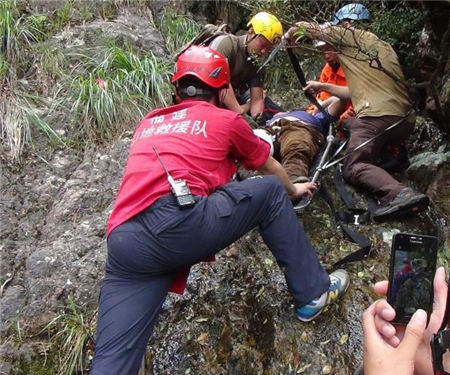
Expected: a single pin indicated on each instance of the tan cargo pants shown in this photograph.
(298, 144)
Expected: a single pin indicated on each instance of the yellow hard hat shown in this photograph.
(268, 25)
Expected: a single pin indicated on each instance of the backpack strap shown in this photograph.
(204, 37)
(365, 246)
(353, 214)
(220, 36)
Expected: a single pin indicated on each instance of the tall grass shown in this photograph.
(73, 332)
(15, 132)
(117, 86)
(18, 116)
(147, 76)
(177, 31)
(62, 16)
(19, 32)
(50, 59)
(107, 88)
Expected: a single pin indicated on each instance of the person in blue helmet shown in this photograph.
(377, 89)
(354, 11)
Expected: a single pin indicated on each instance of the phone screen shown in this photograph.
(413, 264)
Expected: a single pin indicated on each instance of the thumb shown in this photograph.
(414, 334)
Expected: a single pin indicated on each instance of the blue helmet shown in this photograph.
(354, 11)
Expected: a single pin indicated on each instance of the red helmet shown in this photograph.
(202, 62)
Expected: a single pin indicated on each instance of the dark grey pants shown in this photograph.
(360, 167)
(145, 252)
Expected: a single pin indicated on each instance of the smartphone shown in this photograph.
(411, 274)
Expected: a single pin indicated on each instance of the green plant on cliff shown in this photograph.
(116, 87)
(177, 31)
(71, 333)
(18, 32)
(18, 116)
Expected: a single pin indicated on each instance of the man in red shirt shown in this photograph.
(152, 241)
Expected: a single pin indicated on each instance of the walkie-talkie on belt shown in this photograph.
(180, 189)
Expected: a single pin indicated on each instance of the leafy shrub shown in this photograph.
(401, 27)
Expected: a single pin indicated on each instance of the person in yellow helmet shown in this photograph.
(242, 52)
(267, 25)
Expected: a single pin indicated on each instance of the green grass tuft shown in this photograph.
(177, 31)
(18, 117)
(72, 332)
(118, 86)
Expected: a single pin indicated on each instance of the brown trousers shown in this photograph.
(360, 167)
(298, 144)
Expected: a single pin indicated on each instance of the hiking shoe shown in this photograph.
(407, 202)
(339, 282)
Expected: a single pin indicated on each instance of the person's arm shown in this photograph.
(295, 191)
(256, 100)
(394, 335)
(327, 102)
(229, 100)
(315, 87)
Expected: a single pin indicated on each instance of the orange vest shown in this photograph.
(329, 76)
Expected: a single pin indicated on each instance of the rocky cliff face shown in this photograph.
(236, 316)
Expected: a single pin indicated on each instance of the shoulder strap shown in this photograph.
(234, 46)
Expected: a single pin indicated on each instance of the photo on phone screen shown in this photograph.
(412, 269)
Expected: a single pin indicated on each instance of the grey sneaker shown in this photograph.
(406, 203)
(339, 282)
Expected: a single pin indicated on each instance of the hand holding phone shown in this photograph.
(394, 334)
(411, 273)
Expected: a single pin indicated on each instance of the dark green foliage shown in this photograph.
(400, 27)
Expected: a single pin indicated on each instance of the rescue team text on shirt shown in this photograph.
(158, 126)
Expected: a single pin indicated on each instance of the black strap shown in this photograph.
(301, 77)
(440, 343)
(353, 214)
(365, 246)
(343, 193)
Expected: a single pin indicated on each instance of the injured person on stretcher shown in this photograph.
(298, 136)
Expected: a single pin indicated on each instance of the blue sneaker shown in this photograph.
(339, 282)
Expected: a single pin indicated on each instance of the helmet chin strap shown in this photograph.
(249, 40)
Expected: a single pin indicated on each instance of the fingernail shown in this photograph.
(388, 331)
(420, 317)
(388, 314)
